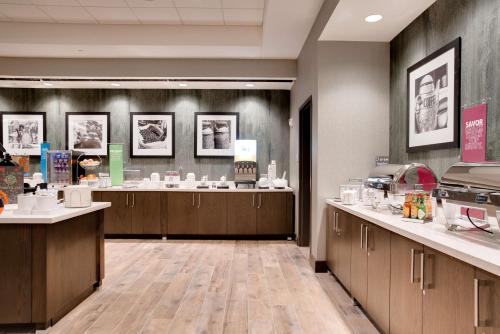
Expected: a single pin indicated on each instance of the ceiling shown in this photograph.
(146, 83)
(172, 12)
(237, 29)
(347, 22)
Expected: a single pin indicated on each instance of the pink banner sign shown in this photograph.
(474, 133)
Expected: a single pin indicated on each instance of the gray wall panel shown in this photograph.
(263, 116)
(477, 22)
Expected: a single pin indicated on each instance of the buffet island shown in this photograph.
(50, 262)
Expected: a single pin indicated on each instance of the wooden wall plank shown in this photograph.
(477, 22)
(263, 116)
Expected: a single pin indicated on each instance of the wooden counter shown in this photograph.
(415, 278)
(49, 266)
(199, 213)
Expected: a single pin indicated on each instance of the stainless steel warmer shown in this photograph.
(472, 183)
(474, 188)
(401, 178)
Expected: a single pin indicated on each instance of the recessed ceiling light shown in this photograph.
(183, 84)
(114, 84)
(373, 18)
(249, 85)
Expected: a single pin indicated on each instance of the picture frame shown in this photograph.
(215, 134)
(88, 132)
(433, 100)
(152, 135)
(22, 133)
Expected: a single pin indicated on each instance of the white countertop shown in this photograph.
(476, 248)
(230, 190)
(60, 214)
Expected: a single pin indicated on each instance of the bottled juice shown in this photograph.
(421, 210)
(407, 205)
(414, 207)
(428, 207)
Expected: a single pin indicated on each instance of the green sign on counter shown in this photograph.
(116, 164)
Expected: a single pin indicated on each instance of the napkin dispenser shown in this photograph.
(77, 196)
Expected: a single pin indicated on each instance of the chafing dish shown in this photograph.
(399, 178)
(472, 185)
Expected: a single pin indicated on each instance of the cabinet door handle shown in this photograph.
(133, 200)
(361, 239)
(422, 270)
(199, 200)
(193, 199)
(412, 269)
(476, 302)
(334, 221)
(253, 201)
(337, 222)
(126, 204)
(366, 238)
(260, 201)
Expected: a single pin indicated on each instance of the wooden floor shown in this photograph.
(213, 287)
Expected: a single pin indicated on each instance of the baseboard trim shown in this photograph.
(318, 266)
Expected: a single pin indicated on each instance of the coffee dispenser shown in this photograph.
(245, 162)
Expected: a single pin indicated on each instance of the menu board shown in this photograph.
(116, 164)
(474, 121)
(12, 182)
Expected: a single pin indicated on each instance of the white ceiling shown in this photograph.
(348, 20)
(172, 12)
(145, 84)
(237, 29)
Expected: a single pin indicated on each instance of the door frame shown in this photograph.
(305, 172)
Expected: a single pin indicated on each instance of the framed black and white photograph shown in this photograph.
(88, 132)
(22, 133)
(215, 134)
(434, 100)
(152, 135)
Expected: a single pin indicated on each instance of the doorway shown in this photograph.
(305, 164)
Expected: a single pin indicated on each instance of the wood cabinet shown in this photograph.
(117, 217)
(48, 269)
(379, 272)
(131, 212)
(359, 261)
(272, 214)
(331, 238)
(339, 229)
(448, 295)
(15, 273)
(212, 213)
(370, 268)
(407, 288)
(241, 214)
(182, 215)
(430, 291)
(342, 256)
(487, 299)
(145, 213)
(405, 293)
(198, 213)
